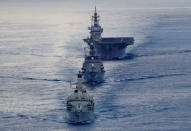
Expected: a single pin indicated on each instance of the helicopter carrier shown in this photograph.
(107, 47)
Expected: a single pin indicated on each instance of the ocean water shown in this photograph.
(40, 54)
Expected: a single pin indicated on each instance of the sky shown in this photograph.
(104, 3)
(13, 8)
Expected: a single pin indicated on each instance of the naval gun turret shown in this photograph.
(80, 105)
(93, 69)
(107, 47)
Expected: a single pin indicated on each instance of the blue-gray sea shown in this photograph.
(150, 90)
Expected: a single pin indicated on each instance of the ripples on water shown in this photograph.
(148, 90)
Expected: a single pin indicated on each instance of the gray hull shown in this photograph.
(109, 52)
(80, 117)
(92, 77)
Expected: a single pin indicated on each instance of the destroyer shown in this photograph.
(107, 48)
(93, 69)
(80, 106)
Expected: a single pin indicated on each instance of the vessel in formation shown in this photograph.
(107, 47)
(93, 69)
(80, 105)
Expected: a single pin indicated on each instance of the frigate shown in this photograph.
(80, 105)
(107, 47)
(93, 69)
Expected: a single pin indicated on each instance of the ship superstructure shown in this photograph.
(110, 47)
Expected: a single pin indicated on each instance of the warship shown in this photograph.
(93, 69)
(107, 47)
(80, 105)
